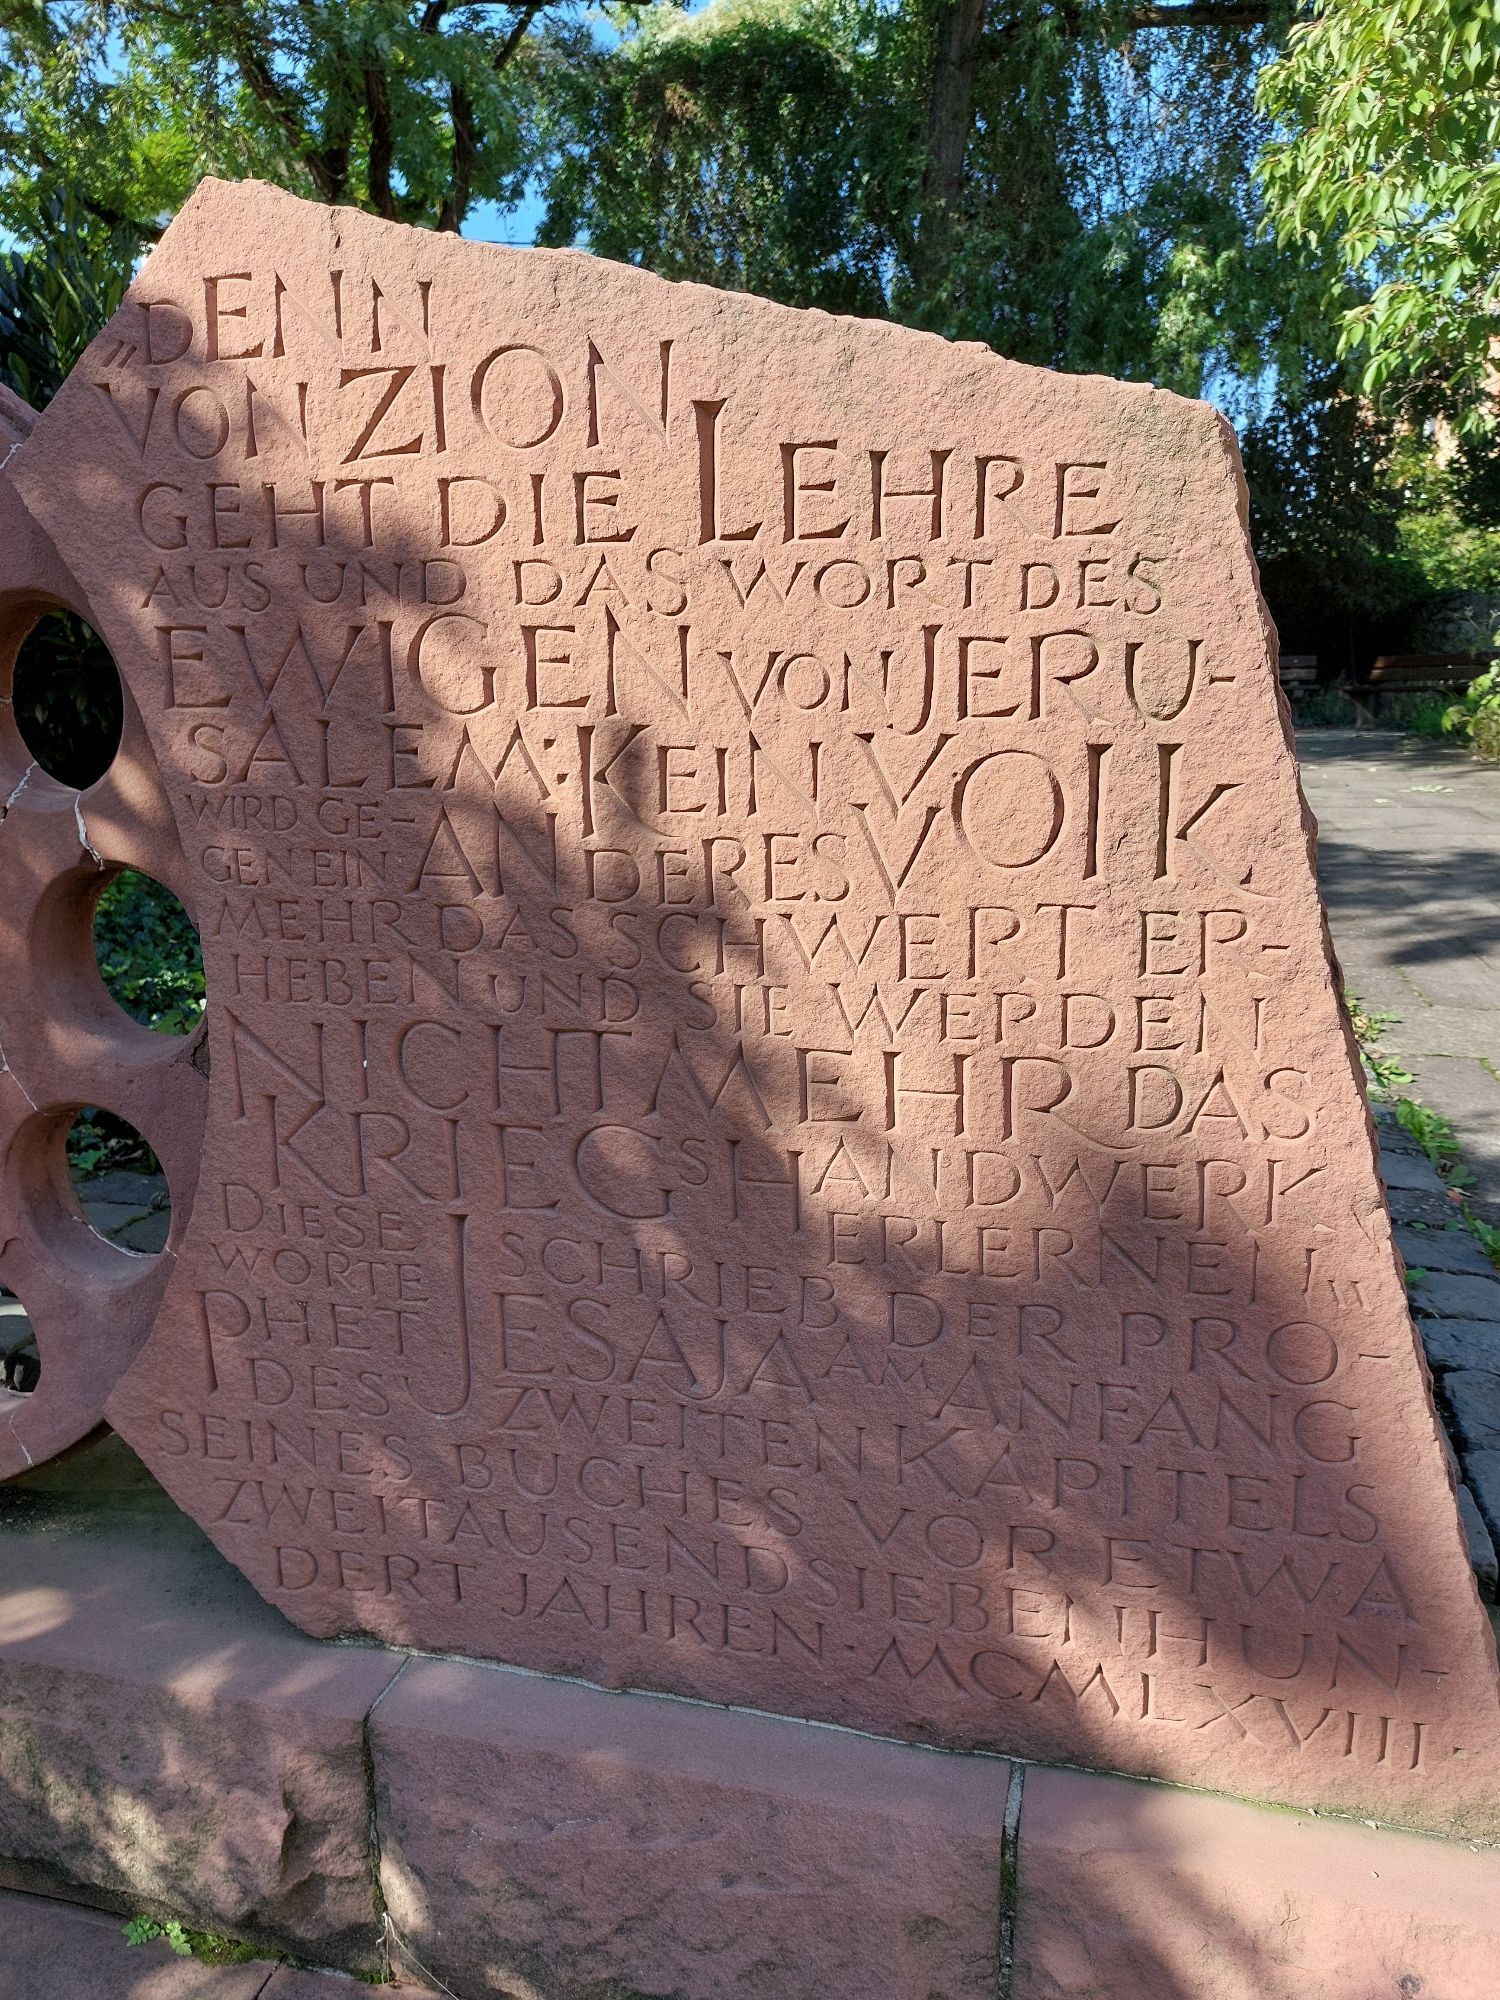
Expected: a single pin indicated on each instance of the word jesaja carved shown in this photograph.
(780, 1127)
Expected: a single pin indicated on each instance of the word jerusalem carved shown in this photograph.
(780, 1126)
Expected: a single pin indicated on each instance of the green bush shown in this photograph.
(149, 955)
(1418, 714)
(152, 964)
(1475, 717)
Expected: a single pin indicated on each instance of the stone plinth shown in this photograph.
(51, 1951)
(168, 1747)
(1139, 1892)
(542, 1837)
(171, 1747)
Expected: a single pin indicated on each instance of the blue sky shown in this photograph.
(489, 223)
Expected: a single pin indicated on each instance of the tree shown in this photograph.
(1324, 519)
(55, 296)
(1387, 160)
(1065, 179)
(415, 112)
(1070, 181)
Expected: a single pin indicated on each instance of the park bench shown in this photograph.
(1297, 671)
(1415, 673)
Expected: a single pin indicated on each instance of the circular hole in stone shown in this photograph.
(20, 1363)
(148, 954)
(69, 706)
(118, 1182)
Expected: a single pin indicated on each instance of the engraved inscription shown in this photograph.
(780, 1128)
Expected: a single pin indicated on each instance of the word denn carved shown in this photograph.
(780, 1126)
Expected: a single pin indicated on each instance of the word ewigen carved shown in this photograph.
(781, 1127)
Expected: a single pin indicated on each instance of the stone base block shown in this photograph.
(171, 1746)
(543, 1838)
(1129, 1891)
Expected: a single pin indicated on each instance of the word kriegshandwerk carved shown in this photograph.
(780, 1125)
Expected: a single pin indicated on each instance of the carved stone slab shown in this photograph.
(780, 1125)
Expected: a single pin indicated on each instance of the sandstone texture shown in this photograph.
(63, 1040)
(780, 1127)
(167, 1748)
(540, 1837)
(1134, 1892)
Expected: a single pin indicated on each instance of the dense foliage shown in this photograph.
(148, 953)
(1070, 183)
(411, 111)
(1090, 184)
(151, 962)
(1387, 157)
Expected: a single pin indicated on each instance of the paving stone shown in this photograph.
(1411, 875)
(129, 1190)
(56, 1951)
(289, 1984)
(541, 1837)
(1418, 1205)
(1468, 1095)
(1482, 1471)
(1410, 1170)
(1128, 1891)
(1452, 1249)
(1461, 1343)
(1394, 1137)
(1454, 1295)
(1450, 1031)
(143, 1230)
(1456, 978)
(1481, 1545)
(1473, 1397)
(171, 1744)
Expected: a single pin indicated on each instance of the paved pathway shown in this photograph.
(1409, 859)
(58, 1951)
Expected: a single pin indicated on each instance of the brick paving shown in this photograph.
(1409, 862)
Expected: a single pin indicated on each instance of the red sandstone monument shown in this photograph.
(780, 1126)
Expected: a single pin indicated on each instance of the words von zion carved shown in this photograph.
(780, 1127)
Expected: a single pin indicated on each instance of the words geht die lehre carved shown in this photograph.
(781, 1128)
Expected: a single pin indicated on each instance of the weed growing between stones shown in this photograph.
(1434, 1133)
(1385, 1071)
(208, 1946)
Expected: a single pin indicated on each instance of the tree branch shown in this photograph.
(382, 144)
(465, 152)
(950, 119)
(112, 218)
(250, 61)
(1203, 14)
(525, 15)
